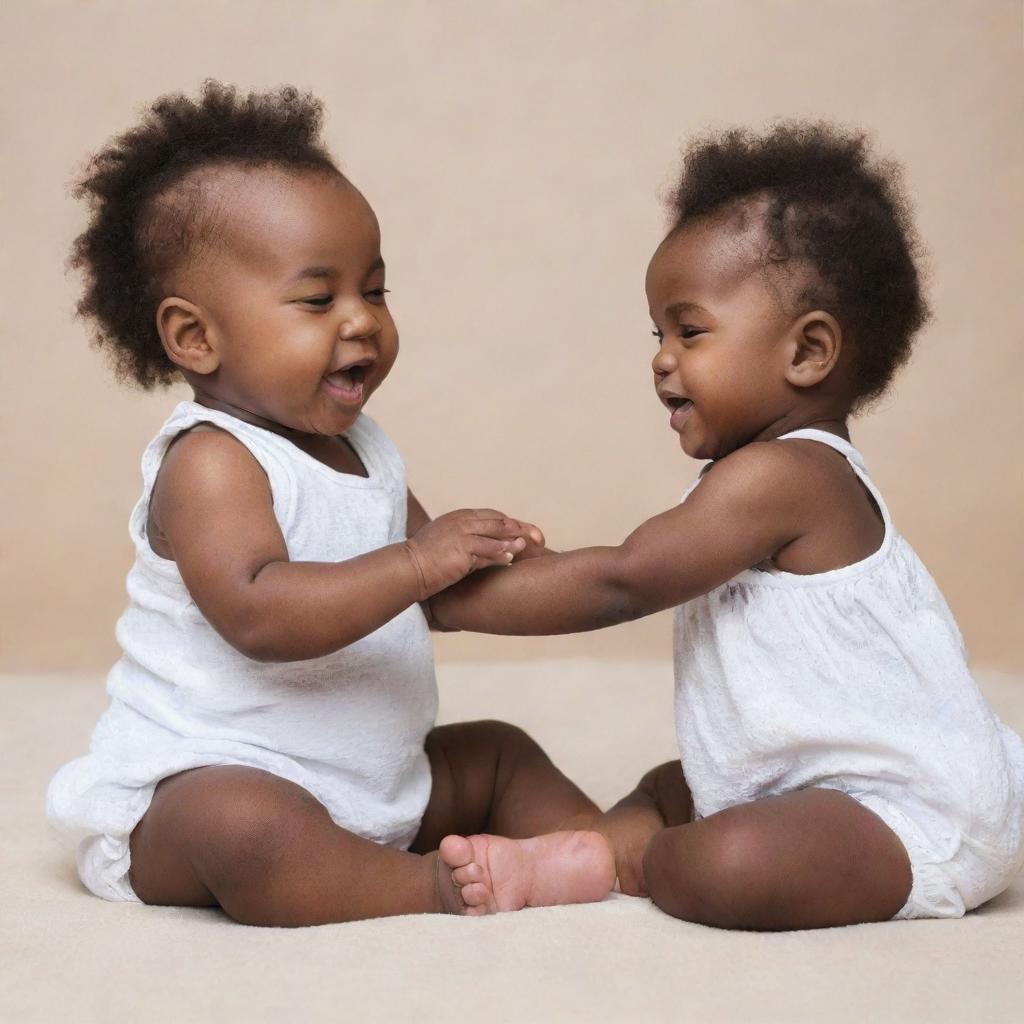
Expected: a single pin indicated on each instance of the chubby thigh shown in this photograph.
(812, 858)
(267, 851)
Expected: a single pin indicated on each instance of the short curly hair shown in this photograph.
(836, 209)
(148, 214)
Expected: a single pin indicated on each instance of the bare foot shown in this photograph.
(661, 800)
(494, 874)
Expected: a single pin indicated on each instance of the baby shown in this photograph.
(838, 762)
(269, 745)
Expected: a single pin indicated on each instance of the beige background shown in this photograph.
(515, 153)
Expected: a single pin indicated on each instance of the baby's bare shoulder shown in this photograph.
(768, 470)
(207, 465)
(204, 455)
(814, 491)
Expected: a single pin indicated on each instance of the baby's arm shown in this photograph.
(212, 506)
(748, 506)
(533, 547)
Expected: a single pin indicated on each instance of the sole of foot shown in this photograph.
(494, 875)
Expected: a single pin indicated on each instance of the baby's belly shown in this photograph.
(373, 700)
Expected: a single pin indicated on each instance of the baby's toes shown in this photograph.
(468, 874)
(477, 897)
(456, 852)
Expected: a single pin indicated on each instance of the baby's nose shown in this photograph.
(664, 362)
(359, 324)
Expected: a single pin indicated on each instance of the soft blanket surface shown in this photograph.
(65, 955)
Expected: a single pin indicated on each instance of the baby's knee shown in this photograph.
(251, 833)
(222, 834)
(712, 876)
(666, 786)
(487, 734)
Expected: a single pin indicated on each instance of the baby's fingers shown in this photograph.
(503, 528)
(486, 513)
(487, 551)
(532, 537)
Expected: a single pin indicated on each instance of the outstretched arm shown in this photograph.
(746, 508)
(531, 536)
(212, 512)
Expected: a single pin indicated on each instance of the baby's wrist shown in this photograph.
(423, 592)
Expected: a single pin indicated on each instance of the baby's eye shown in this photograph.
(377, 294)
(658, 334)
(319, 300)
(690, 332)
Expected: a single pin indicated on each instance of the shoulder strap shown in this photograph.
(853, 456)
(260, 443)
(840, 444)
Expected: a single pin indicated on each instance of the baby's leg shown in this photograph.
(661, 799)
(489, 777)
(268, 853)
(814, 858)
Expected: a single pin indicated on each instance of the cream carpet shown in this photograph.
(67, 956)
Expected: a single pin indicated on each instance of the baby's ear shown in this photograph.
(817, 340)
(183, 332)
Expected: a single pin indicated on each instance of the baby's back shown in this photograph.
(854, 679)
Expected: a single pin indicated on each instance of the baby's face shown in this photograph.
(293, 289)
(721, 357)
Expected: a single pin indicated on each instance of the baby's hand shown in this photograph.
(534, 547)
(456, 544)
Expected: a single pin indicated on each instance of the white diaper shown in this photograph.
(952, 873)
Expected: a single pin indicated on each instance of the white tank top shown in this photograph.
(351, 725)
(785, 681)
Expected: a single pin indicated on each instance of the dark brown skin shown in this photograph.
(251, 319)
(267, 852)
(257, 338)
(753, 372)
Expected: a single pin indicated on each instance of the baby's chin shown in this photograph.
(702, 450)
(692, 449)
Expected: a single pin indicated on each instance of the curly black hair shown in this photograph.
(148, 212)
(837, 210)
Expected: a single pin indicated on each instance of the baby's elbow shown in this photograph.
(255, 644)
(624, 598)
(253, 636)
(265, 653)
(270, 650)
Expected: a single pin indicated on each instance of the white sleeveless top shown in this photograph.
(349, 726)
(854, 679)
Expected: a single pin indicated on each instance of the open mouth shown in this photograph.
(347, 383)
(676, 403)
(678, 408)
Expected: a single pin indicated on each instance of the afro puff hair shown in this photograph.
(144, 220)
(835, 209)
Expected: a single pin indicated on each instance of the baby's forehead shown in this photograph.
(729, 249)
(263, 217)
(263, 214)
(718, 252)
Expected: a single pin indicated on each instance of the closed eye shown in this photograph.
(319, 300)
(377, 294)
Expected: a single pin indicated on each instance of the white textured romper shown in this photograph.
(854, 680)
(348, 727)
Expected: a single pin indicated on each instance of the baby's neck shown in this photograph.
(829, 422)
(204, 398)
(336, 453)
